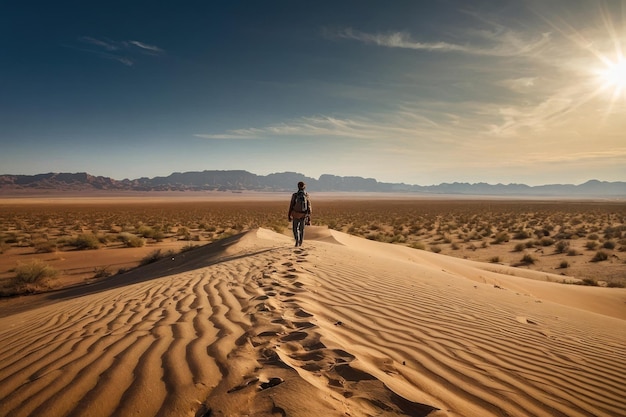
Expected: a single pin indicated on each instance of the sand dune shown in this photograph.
(340, 327)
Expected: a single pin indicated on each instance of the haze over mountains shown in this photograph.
(240, 180)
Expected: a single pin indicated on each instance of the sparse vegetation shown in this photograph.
(609, 244)
(45, 246)
(600, 256)
(501, 237)
(527, 259)
(519, 247)
(154, 256)
(561, 246)
(33, 276)
(487, 231)
(85, 241)
(131, 241)
(102, 272)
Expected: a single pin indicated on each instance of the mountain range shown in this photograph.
(240, 180)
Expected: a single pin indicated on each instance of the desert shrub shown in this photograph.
(519, 247)
(455, 246)
(613, 284)
(564, 234)
(546, 241)
(592, 236)
(130, 240)
(102, 272)
(527, 259)
(501, 237)
(591, 245)
(435, 248)
(521, 235)
(332, 224)
(85, 241)
(494, 260)
(588, 281)
(418, 245)
(184, 233)
(572, 252)
(152, 257)
(609, 244)
(105, 238)
(564, 264)
(150, 233)
(397, 238)
(45, 246)
(561, 246)
(35, 272)
(379, 237)
(612, 232)
(189, 246)
(600, 256)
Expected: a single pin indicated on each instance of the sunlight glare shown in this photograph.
(614, 76)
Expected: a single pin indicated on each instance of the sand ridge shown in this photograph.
(342, 326)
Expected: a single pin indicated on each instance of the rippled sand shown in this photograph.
(340, 327)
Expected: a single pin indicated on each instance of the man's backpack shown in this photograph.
(302, 204)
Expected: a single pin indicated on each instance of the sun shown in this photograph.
(613, 76)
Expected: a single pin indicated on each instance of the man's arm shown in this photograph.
(291, 204)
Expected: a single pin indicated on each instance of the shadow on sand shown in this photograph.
(193, 259)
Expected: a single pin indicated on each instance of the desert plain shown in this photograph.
(394, 306)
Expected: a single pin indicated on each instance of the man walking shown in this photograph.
(299, 212)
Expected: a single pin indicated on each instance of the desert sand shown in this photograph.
(343, 326)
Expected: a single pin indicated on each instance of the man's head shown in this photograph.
(301, 185)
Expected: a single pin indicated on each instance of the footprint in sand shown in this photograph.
(303, 324)
(525, 320)
(294, 336)
(272, 382)
(301, 313)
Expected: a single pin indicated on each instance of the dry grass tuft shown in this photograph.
(30, 277)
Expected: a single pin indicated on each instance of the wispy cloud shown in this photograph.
(124, 52)
(402, 126)
(105, 44)
(520, 85)
(398, 40)
(616, 154)
(305, 126)
(145, 46)
(487, 43)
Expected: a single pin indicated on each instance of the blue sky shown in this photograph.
(421, 92)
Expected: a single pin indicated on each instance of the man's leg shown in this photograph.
(301, 231)
(295, 230)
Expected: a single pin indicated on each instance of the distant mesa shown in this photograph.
(240, 180)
